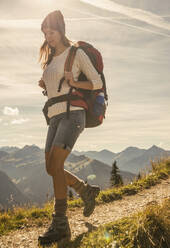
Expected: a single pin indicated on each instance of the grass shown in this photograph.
(147, 229)
(23, 217)
(160, 171)
(32, 216)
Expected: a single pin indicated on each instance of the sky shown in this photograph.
(135, 45)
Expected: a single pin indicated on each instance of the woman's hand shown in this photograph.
(69, 76)
(87, 85)
(42, 84)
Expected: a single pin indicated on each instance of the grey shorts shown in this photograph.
(64, 132)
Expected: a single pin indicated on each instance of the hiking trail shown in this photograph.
(105, 213)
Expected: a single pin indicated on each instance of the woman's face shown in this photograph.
(53, 37)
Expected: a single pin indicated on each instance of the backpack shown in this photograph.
(93, 101)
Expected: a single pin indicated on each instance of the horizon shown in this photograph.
(134, 42)
(91, 150)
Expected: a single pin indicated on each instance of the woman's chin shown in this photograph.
(51, 45)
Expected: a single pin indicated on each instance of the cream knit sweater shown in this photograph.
(55, 71)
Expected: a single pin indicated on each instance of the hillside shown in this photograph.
(82, 227)
(26, 168)
(100, 174)
(9, 194)
(104, 156)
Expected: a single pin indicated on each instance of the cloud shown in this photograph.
(0, 120)
(19, 121)
(142, 15)
(10, 111)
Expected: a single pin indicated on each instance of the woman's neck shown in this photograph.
(59, 49)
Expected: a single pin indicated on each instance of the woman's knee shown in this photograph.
(55, 159)
(47, 162)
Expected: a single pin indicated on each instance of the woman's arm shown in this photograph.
(87, 85)
(94, 79)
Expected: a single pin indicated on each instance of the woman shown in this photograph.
(62, 132)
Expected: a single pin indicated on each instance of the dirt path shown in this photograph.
(27, 237)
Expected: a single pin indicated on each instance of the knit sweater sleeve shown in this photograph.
(88, 69)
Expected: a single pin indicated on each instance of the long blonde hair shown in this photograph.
(55, 21)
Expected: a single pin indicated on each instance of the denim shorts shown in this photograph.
(64, 132)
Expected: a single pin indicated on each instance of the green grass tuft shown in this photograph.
(147, 229)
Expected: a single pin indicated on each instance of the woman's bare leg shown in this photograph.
(70, 178)
(61, 178)
(59, 227)
(55, 167)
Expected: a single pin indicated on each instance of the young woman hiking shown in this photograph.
(63, 132)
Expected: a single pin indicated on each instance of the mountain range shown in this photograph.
(131, 159)
(24, 168)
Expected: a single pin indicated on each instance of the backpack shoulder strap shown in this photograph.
(68, 64)
(70, 58)
(87, 48)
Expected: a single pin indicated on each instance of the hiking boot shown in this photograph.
(58, 231)
(88, 195)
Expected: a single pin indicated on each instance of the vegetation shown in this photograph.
(70, 195)
(147, 229)
(160, 170)
(28, 216)
(139, 176)
(116, 179)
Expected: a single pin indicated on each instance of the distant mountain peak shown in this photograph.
(31, 147)
(155, 148)
(9, 149)
(131, 149)
(106, 151)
